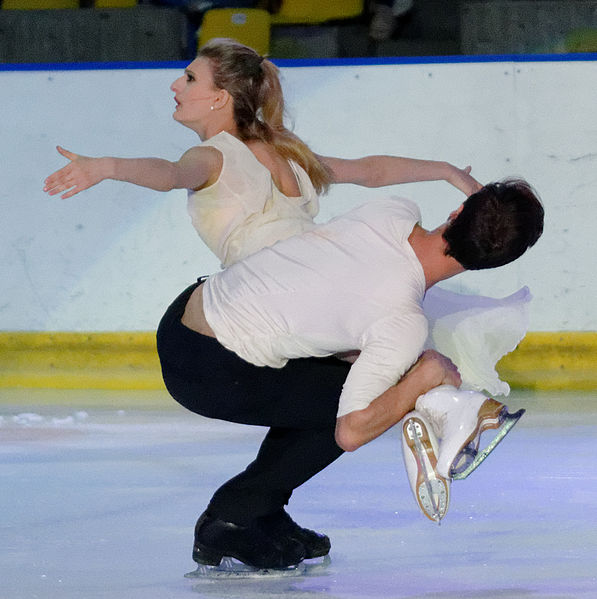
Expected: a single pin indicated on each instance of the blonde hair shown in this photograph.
(254, 84)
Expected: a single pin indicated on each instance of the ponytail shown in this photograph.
(254, 84)
(286, 143)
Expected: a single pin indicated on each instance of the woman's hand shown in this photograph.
(81, 173)
(462, 180)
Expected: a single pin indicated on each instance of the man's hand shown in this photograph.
(361, 426)
(435, 369)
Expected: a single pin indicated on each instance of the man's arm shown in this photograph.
(361, 426)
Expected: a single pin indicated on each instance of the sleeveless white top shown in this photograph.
(244, 211)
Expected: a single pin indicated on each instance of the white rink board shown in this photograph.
(115, 256)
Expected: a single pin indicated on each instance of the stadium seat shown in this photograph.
(582, 40)
(316, 11)
(115, 3)
(38, 4)
(249, 26)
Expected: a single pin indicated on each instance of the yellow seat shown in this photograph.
(249, 26)
(115, 3)
(316, 11)
(38, 4)
(582, 40)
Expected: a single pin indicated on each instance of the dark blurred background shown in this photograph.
(42, 31)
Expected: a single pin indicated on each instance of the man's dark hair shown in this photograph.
(496, 225)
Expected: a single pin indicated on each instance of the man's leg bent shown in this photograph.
(287, 458)
(299, 403)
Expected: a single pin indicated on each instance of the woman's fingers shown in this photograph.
(55, 179)
(70, 193)
(68, 180)
(67, 153)
(60, 181)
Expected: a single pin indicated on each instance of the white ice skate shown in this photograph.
(420, 450)
(458, 419)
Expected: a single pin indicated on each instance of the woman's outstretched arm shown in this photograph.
(377, 171)
(196, 168)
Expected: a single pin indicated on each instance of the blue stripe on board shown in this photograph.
(93, 66)
(468, 58)
(311, 62)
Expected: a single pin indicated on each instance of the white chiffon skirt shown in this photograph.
(475, 332)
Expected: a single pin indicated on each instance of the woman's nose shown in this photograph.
(173, 87)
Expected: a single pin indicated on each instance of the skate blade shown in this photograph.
(478, 457)
(431, 491)
(433, 499)
(230, 568)
(315, 565)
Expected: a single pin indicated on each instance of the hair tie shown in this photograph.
(259, 72)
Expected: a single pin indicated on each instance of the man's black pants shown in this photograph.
(298, 402)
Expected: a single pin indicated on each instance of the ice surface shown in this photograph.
(100, 492)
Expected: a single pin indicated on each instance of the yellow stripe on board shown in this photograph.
(80, 360)
(553, 361)
(128, 360)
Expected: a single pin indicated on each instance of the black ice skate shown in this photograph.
(280, 524)
(225, 549)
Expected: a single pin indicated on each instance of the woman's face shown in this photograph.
(194, 94)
